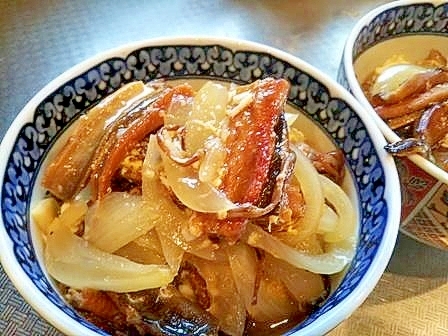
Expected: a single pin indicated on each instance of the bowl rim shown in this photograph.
(356, 90)
(322, 324)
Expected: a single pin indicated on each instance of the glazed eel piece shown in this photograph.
(258, 162)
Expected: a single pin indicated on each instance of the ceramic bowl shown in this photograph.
(321, 101)
(410, 29)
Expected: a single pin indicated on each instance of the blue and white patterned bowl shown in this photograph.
(407, 28)
(410, 29)
(326, 104)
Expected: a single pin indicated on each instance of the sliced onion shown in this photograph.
(310, 187)
(285, 285)
(151, 163)
(208, 110)
(243, 263)
(179, 111)
(72, 214)
(328, 221)
(118, 219)
(195, 190)
(146, 249)
(305, 286)
(193, 193)
(225, 302)
(213, 161)
(176, 226)
(173, 254)
(391, 78)
(44, 212)
(331, 262)
(76, 263)
(274, 303)
(86, 194)
(339, 200)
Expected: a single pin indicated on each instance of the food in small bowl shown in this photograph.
(394, 63)
(413, 99)
(148, 191)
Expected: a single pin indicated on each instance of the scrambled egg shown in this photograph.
(131, 167)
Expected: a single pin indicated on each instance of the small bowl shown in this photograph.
(410, 29)
(323, 102)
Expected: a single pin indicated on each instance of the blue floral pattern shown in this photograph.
(307, 94)
(416, 21)
(424, 18)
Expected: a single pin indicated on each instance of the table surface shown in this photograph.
(39, 40)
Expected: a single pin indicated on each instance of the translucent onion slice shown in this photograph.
(43, 214)
(208, 110)
(310, 186)
(305, 286)
(346, 223)
(76, 263)
(225, 302)
(328, 221)
(176, 227)
(119, 218)
(243, 263)
(212, 164)
(332, 261)
(72, 214)
(146, 249)
(192, 192)
(173, 254)
(274, 304)
(195, 190)
(392, 77)
(178, 112)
